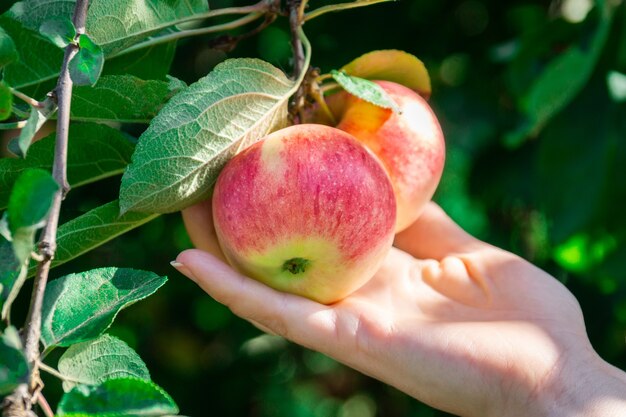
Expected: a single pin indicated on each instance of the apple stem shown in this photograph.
(296, 265)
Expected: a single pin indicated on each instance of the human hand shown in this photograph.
(452, 321)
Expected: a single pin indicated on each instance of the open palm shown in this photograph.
(452, 321)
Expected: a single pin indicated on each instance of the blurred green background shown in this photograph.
(531, 96)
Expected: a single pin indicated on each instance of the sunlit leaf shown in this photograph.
(95, 361)
(365, 90)
(80, 307)
(178, 158)
(118, 397)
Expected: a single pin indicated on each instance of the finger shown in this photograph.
(434, 235)
(198, 221)
(296, 318)
(459, 278)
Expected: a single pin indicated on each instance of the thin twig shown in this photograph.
(227, 43)
(341, 6)
(43, 403)
(27, 99)
(190, 32)
(316, 94)
(59, 375)
(13, 125)
(329, 87)
(47, 243)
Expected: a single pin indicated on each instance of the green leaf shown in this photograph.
(12, 276)
(95, 361)
(8, 53)
(80, 307)
(365, 89)
(179, 156)
(151, 63)
(117, 397)
(39, 59)
(60, 31)
(93, 229)
(121, 98)
(36, 119)
(28, 208)
(391, 65)
(13, 365)
(85, 67)
(31, 199)
(95, 152)
(114, 24)
(6, 101)
(562, 80)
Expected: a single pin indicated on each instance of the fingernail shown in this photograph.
(180, 267)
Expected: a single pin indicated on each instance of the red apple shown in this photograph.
(306, 210)
(410, 144)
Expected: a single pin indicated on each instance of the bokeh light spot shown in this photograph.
(453, 70)
(575, 11)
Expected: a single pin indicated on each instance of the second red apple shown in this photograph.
(410, 143)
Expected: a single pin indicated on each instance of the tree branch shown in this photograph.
(24, 398)
(295, 21)
(300, 68)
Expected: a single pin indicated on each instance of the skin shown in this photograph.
(307, 210)
(450, 320)
(410, 144)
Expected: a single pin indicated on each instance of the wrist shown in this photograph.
(586, 386)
